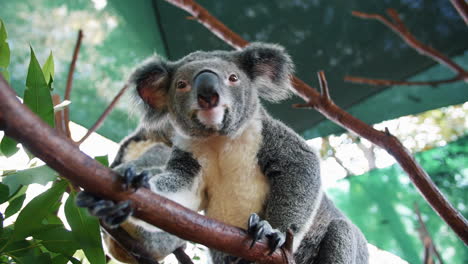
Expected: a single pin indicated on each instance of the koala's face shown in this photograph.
(212, 93)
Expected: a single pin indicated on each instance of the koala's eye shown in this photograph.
(233, 78)
(181, 84)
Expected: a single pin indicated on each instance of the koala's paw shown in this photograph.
(111, 213)
(130, 179)
(259, 229)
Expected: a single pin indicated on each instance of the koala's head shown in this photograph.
(212, 93)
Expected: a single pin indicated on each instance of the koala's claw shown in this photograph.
(112, 214)
(133, 180)
(258, 229)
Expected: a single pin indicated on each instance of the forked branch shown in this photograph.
(399, 28)
(334, 113)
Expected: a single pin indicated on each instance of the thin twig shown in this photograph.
(134, 247)
(324, 87)
(104, 114)
(462, 7)
(425, 236)
(71, 71)
(59, 116)
(382, 82)
(331, 111)
(183, 258)
(399, 28)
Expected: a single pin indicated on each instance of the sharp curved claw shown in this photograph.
(85, 199)
(101, 208)
(142, 180)
(128, 177)
(254, 219)
(276, 241)
(258, 235)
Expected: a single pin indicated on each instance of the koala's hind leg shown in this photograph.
(342, 244)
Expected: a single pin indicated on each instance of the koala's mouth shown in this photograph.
(211, 118)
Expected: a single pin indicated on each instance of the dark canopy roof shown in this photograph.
(324, 35)
(319, 35)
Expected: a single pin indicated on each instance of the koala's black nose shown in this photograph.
(206, 84)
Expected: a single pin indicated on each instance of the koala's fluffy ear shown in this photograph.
(150, 83)
(270, 68)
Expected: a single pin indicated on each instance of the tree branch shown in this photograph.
(71, 71)
(131, 245)
(104, 114)
(462, 7)
(334, 113)
(63, 156)
(181, 256)
(383, 82)
(399, 28)
(426, 237)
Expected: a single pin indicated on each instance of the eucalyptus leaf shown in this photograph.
(15, 205)
(104, 160)
(3, 32)
(86, 231)
(41, 175)
(58, 240)
(5, 74)
(21, 248)
(36, 259)
(4, 55)
(30, 218)
(8, 146)
(37, 94)
(48, 70)
(4, 193)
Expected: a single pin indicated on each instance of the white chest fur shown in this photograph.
(233, 185)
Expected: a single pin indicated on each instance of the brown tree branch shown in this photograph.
(383, 82)
(462, 7)
(134, 247)
(71, 71)
(180, 255)
(104, 114)
(426, 237)
(399, 28)
(331, 111)
(62, 155)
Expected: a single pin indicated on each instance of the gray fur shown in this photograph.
(295, 199)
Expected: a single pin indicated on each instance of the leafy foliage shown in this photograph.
(38, 235)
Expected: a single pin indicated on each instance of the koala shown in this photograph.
(207, 143)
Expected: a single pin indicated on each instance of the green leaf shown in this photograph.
(104, 160)
(37, 94)
(48, 70)
(3, 33)
(36, 259)
(16, 193)
(15, 205)
(30, 218)
(4, 193)
(41, 175)
(5, 74)
(22, 248)
(85, 229)
(4, 55)
(58, 239)
(8, 146)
